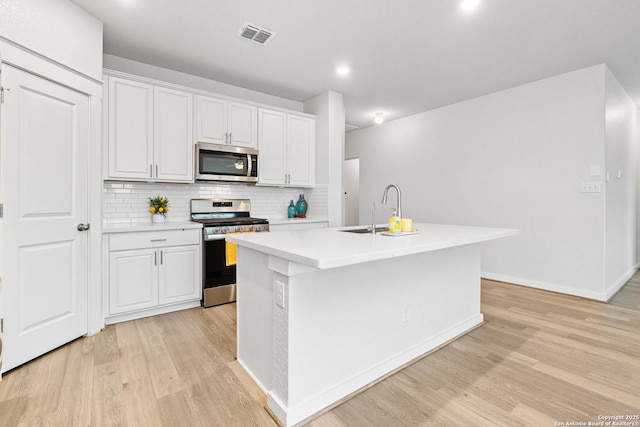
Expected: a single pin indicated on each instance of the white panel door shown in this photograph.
(179, 274)
(242, 124)
(301, 135)
(272, 131)
(44, 140)
(173, 135)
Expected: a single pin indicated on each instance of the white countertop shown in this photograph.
(148, 226)
(330, 248)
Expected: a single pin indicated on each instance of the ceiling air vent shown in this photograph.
(256, 33)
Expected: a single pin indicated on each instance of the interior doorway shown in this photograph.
(351, 190)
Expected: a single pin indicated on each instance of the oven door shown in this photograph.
(221, 163)
(218, 278)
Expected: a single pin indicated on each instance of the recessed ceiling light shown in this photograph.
(343, 70)
(379, 118)
(469, 4)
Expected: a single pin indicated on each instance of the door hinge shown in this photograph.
(2, 94)
(1, 210)
(2, 325)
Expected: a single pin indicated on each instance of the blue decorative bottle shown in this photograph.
(291, 210)
(301, 207)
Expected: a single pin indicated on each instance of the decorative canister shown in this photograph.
(291, 210)
(301, 207)
(157, 218)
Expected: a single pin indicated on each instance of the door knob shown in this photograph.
(83, 227)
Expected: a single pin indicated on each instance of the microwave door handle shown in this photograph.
(249, 165)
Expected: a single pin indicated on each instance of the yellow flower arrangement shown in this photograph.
(159, 205)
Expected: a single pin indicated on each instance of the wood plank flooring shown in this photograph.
(540, 359)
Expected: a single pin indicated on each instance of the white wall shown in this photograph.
(170, 76)
(330, 128)
(58, 30)
(515, 158)
(621, 140)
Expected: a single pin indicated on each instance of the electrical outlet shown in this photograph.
(590, 187)
(280, 294)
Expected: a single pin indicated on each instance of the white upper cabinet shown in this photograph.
(150, 132)
(130, 128)
(219, 121)
(287, 149)
(173, 135)
(272, 130)
(301, 154)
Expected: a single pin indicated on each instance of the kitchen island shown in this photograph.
(323, 313)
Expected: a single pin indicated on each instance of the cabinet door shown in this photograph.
(211, 120)
(242, 124)
(179, 274)
(301, 135)
(173, 135)
(133, 280)
(130, 131)
(271, 142)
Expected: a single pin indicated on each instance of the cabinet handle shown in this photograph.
(156, 171)
(151, 171)
(161, 257)
(230, 138)
(158, 240)
(155, 258)
(226, 137)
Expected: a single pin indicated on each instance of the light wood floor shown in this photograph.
(539, 358)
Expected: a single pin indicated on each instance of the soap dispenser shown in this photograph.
(395, 225)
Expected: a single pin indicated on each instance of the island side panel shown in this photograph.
(346, 327)
(254, 323)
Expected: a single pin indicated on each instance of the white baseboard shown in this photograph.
(618, 284)
(314, 406)
(598, 296)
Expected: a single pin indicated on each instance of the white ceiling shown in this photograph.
(406, 56)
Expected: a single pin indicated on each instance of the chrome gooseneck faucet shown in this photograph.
(399, 205)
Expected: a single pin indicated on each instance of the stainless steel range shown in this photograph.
(222, 216)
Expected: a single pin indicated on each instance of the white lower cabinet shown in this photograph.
(153, 272)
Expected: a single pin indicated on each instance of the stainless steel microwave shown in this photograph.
(226, 163)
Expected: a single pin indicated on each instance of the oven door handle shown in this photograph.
(208, 237)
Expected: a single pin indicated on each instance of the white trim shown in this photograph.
(619, 284)
(95, 312)
(34, 63)
(544, 286)
(195, 91)
(152, 311)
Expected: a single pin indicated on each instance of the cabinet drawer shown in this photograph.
(154, 239)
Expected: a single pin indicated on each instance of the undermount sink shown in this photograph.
(366, 230)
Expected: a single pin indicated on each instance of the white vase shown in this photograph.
(157, 218)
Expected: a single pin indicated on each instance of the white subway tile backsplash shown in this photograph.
(128, 202)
